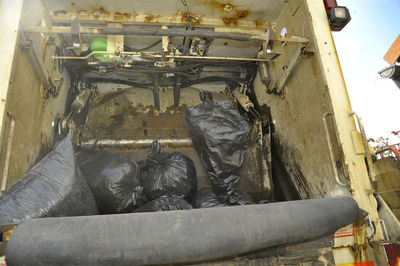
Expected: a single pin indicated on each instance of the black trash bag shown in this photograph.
(206, 198)
(219, 136)
(165, 203)
(168, 174)
(113, 179)
(54, 187)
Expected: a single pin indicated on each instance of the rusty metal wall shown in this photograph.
(300, 132)
(237, 13)
(26, 101)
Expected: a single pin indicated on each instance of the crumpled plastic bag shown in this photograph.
(168, 174)
(165, 203)
(54, 187)
(206, 198)
(219, 135)
(113, 179)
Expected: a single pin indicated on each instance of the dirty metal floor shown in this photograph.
(130, 114)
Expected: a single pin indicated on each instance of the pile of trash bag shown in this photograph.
(54, 187)
(219, 135)
(168, 174)
(206, 198)
(113, 183)
(165, 203)
(113, 179)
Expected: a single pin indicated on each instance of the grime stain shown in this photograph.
(118, 16)
(233, 20)
(127, 15)
(116, 116)
(121, 16)
(259, 23)
(242, 14)
(151, 18)
(223, 6)
(103, 11)
(230, 14)
(191, 18)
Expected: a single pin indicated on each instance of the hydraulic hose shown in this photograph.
(175, 236)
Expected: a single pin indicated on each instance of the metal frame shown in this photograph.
(135, 143)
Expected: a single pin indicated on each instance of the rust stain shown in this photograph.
(231, 14)
(229, 21)
(118, 16)
(122, 16)
(151, 18)
(227, 8)
(233, 21)
(259, 23)
(82, 12)
(102, 11)
(242, 13)
(127, 15)
(223, 6)
(191, 18)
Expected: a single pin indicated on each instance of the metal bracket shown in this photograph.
(48, 21)
(263, 66)
(331, 154)
(368, 157)
(268, 43)
(76, 35)
(372, 224)
(115, 43)
(40, 68)
(287, 71)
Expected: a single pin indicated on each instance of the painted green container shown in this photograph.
(100, 44)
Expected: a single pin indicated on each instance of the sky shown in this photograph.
(361, 45)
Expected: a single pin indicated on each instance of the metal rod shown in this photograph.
(142, 31)
(217, 33)
(202, 58)
(292, 38)
(155, 56)
(8, 153)
(176, 33)
(135, 143)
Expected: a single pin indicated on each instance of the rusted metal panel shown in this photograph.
(235, 13)
(300, 138)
